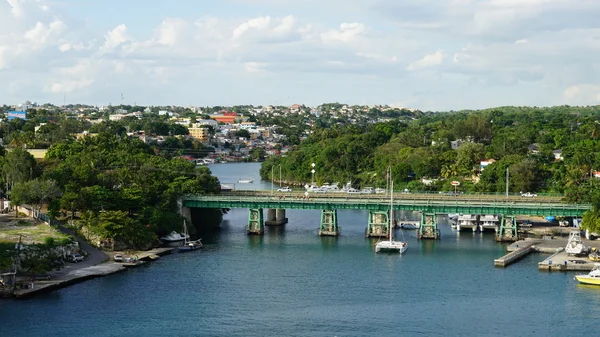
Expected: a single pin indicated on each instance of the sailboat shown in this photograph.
(390, 244)
(189, 244)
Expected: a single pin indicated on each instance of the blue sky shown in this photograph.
(425, 54)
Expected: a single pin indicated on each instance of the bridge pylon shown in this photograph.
(428, 229)
(379, 225)
(329, 223)
(256, 225)
(508, 229)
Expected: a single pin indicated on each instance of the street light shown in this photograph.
(312, 179)
(279, 174)
(272, 179)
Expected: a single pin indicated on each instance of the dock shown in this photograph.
(517, 253)
(87, 273)
(559, 260)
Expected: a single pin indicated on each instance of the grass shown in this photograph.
(32, 234)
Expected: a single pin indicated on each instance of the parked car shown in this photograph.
(76, 258)
(526, 223)
(284, 189)
(118, 258)
(528, 195)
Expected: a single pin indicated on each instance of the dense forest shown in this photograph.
(545, 150)
(116, 187)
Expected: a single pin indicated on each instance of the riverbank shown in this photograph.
(78, 275)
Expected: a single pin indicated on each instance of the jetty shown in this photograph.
(516, 252)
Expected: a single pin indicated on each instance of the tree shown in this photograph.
(17, 166)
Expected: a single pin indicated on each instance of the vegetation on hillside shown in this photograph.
(520, 139)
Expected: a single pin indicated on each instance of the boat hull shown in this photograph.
(585, 279)
(391, 246)
(188, 248)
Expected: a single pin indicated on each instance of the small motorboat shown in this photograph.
(174, 237)
(245, 181)
(594, 255)
(592, 278)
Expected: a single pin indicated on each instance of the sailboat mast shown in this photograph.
(391, 208)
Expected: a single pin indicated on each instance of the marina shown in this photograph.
(355, 284)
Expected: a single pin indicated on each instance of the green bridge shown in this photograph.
(379, 205)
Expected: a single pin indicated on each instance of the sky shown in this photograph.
(436, 55)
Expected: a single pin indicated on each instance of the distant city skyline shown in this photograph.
(430, 55)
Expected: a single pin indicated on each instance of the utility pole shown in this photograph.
(507, 182)
(279, 174)
(272, 182)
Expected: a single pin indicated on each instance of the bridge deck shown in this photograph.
(466, 204)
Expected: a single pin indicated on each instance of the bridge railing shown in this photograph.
(369, 199)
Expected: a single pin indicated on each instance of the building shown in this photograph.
(227, 119)
(200, 133)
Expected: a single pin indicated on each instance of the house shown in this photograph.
(534, 148)
(557, 155)
(484, 163)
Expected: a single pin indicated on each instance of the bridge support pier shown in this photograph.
(428, 229)
(276, 217)
(508, 229)
(255, 221)
(329, 223)
(379, 225)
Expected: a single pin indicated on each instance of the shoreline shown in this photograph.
(87, 273)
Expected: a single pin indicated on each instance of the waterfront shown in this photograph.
(290, 282)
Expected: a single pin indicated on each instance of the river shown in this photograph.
(291, 282)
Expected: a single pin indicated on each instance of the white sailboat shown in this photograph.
(188, 244)
(390, 244)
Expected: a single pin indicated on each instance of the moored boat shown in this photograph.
(390, 244)
(187, 244)
(245, 181)
(174, 237)
(592, 278)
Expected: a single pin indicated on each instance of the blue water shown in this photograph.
(291, 282)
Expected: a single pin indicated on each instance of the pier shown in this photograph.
(518, 253)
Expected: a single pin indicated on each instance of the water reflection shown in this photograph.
(329, 242)
(255, 242)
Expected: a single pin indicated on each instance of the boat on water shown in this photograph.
(489, 222)
(390, 244)
(189, 245)
(467, 221)
(245, 181)
(408, 224)
(174, 237)
(592, 278)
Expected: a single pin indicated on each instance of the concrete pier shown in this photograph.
(514, 255)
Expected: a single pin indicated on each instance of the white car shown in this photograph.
(529, 195)
(284, 189)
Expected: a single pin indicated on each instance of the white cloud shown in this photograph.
(348, 32)
(428, 61)
(500, 50)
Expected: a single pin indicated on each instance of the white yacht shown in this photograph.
(390, 244)
(175, 237)
(467, 221)
(489, 222)
(245, 181)
(575, 244)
